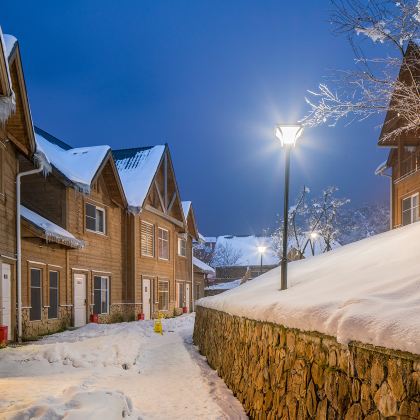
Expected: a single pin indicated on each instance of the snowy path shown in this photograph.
(112, 372)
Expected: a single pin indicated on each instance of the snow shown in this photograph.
(377, 32)
(52, 231)
(9, 41)
(112, 372)
(79, 165)
(367, 291)
(186, 205)
(7, 101)
(225, 286)
(203, 266)
(381, 168)
(137, 171)
(247, 249)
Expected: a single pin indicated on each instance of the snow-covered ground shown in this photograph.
(112, 372)
(225, 286)
(367, 291)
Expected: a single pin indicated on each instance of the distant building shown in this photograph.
(202, 274)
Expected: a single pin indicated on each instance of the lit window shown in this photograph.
(100, 295)
(36, 294)
(410, 209)
(95, 218)
(53, 292)
(182, 247)
(147, 239)
(163, 295)
(163, 243)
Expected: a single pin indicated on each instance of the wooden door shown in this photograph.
(146, 295)
(5, 299)
(79, 304)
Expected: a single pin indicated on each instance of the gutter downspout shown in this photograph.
(19, 247)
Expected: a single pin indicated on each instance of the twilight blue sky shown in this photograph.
(209, 77)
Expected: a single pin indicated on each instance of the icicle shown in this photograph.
(7, 107)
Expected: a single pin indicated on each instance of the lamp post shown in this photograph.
(261, 250)
(312, 238)
(288, 135)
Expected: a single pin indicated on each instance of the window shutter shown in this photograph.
(147, 239)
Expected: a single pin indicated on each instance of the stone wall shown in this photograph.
(282, 373)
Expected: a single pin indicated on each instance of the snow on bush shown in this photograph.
(367, 291)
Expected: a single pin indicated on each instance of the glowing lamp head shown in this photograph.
(288, 134)
(261, 249)
(314, 235)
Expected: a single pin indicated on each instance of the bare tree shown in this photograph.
(373, 87)
(314, 224)
(204, 253)
(225, 255)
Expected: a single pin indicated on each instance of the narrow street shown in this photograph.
(114, 371)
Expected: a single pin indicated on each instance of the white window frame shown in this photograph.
(58, 293)
(97, 208)
(161, 241)
(180, 249)
(160, 281)
(101, 290)
(412, 210)
(141, 239)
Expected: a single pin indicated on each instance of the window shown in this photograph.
(163, 244)
(180, 298)
(95, 218)
(53, 308)
(147, 239)
(36, 294)
(182, 247)
(100, 295)
(410, 209)
(163, 295)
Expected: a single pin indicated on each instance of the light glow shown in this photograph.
(288, 134)
(314, 235)
(261, 249)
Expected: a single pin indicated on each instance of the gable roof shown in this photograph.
(78, 166)
(137, 168)
(188, 211)
(49, 230)
(186, 206)
(202, 266)
(391, 120)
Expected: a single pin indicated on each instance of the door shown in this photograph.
(187, 296)
(5, 299)
(79, 304)
(146, 298)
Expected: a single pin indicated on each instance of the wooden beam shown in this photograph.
(164, 216)
(172, 202)
(160, 197)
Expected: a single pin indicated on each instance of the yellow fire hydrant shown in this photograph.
(158, 324)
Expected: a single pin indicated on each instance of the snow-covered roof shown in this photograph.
(229, 285)
(7, 100)
(186, 205)
(210, 239)
(247, 249)
(137, 168)
(10, 41)
(52, 232)
(367, 291)
(79, 165)
(203, 266)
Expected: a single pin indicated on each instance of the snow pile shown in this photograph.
(137, 169)
(203, 266)
(111, 372)
(53, 232)
(367, 291)
(79, 404)
(225, 286)
(79, 165)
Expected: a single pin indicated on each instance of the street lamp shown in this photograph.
(288, 135)
(312, 238)
(261, 250)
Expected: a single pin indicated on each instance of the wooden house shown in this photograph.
(84, 203)
(403, 159)
(16, 141)
(159, 237)
(202, 272)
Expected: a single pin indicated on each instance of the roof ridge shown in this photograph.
(52, 139)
